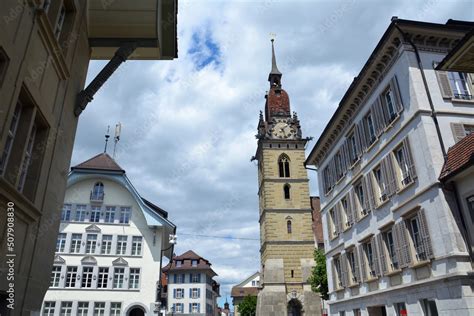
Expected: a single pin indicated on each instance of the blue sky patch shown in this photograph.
(204, 50)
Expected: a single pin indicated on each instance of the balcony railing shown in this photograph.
(97, 196)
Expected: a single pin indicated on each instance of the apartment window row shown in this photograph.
(394, 172)
(193, 293)
(92, 277)
(68, 308)
(194, 308)
(26, 142)
(404, 244)
(99, 244)
(427, 306)
(186, 278)
(380, 116)
(96, 213)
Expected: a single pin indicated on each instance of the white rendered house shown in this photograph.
(191, 287)
(109, 247)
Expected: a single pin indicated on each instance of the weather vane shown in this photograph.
(272, 36)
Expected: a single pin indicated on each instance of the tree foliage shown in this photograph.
(248, 306)
(319, 277)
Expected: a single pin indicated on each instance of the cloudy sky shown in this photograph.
(188, 125)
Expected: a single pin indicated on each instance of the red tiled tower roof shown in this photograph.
(101, 161)
(459, 157)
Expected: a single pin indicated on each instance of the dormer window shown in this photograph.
(194, 263)
(179, 263)
(97, 193)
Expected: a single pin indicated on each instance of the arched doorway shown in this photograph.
(136, 311)
(294, 308)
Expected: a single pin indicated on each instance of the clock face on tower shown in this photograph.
(283, 130)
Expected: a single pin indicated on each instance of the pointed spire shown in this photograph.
(275, 75)
(275, 70)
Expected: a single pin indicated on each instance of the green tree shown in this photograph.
(248, 307)
(319, 276)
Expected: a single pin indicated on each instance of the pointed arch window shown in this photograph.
(288, 226)
(97, 193)
(286, 191)
(284, 166)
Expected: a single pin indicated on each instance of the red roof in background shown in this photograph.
(459, 157)
(317, 222)
(101, 161)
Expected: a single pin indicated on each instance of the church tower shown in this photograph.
(286, 238)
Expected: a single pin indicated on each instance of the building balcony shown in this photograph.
(97, 197)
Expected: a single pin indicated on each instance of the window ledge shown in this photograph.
(352, 285)
(461, 101)
(394, 272)
(380, 204)
(399, 191)
(390, 125)
(419, 264)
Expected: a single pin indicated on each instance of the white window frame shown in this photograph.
(118, 279)
(87, 276)
(49, 308)
(66, 309)
(99, 308)
(81, 210)
(91, 243)
(55, 276)
(71, 277)
(134, 278)
(102, 277)
(121, 248)
(109, 216)
(137, 243)
(75, 243)
(61, 242)
(82, 308)
(106, 245)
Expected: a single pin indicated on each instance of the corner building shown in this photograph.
(286, 236)
(392, 232)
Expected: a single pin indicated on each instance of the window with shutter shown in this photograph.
(382, 254)
(353, 276)
(375, 267)
(444, 84)
(378, 116)
(460, 85)
(397, 94)
(346, 207)
(338, 272)
(391, 249)
(425, 234)
(360, 200)
(332, 224)
(362, 261)
(339, 219)
(458, 131)
(404, 245)
(378, 179)
(369, 192)
(344, 271)
(392, 183)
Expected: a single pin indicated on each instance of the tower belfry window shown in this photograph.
(288, 226)
(284, 166)
(286, 191)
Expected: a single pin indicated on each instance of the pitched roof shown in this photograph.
(459, 157)
(155, 208)
(101, 161)
(186, 263)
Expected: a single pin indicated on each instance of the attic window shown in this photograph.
(178, 263)
(194, 263)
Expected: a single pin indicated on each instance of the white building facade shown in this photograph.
(191, 287)
(249, 286)
(392, 240)
(109, 247)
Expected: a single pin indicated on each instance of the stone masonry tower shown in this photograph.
(286, 238)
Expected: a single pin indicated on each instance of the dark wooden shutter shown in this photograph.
(363, 265)
(382, 254)
(458, 131)
(361, 137)
(369, 189)
(375, 256)
(378, 117)
(392, 174)
(425, 234)
(409, 159)
(349, 211)
(353, 203)
(443, 81)
(338, 216)
(405, 247)
(357, 269)
(344, 270)
(334, 277)
(396, 91)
